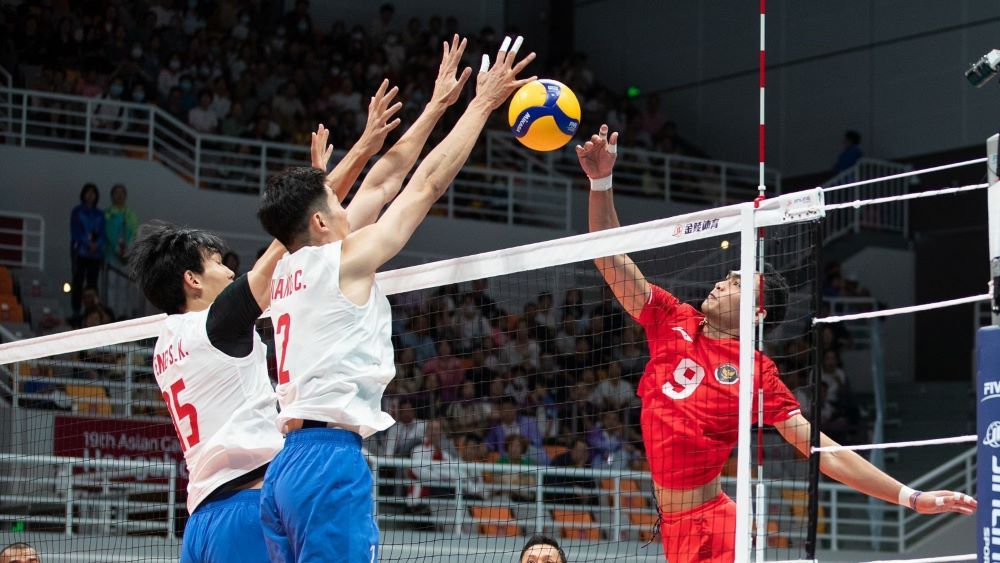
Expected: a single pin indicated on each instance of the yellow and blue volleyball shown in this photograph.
(544, 115)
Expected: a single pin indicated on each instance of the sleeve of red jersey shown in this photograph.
(779, 403)
(661, 304)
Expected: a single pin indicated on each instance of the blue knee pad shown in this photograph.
(226, 530)
(316, 504)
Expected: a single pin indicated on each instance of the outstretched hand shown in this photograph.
(448, 88)
(937, 502)
(495, 84)
(319, 150)
(597, 156)
(380, 112)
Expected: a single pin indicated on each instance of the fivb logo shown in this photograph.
(991, 390)
(992, 437)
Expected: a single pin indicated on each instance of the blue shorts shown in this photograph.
(316, 504)
(225, 529)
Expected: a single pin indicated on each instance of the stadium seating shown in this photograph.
(582, 525)
(495, 521)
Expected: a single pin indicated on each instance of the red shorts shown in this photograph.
(705, 534)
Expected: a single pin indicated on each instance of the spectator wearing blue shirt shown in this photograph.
(87, 246)
(851, 153)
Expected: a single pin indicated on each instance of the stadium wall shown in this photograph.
(893, 70)
(48, 183)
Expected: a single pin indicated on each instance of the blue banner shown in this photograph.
(988, 430)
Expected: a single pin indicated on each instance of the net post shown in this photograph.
(814, 458)
(748, 251)
(171, 500)
(459, 499)
(69, 503)
(539, 504)
(993, 212)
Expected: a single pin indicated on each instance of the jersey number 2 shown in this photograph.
(179, 410)
(283, 329)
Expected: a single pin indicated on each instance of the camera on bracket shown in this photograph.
(984, 69)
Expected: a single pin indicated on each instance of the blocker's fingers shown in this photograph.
(392, 110)
(939, 501)
(614, 140)
(524, 62)
(505, 46)
(603, 131)
(485, 66)
(382, 87)
(517, 44)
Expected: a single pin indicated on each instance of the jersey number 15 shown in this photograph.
(179, 410)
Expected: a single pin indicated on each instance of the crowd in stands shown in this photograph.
(249, 69)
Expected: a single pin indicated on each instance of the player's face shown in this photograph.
(541, 554)
(215, 278)
(722, 306)
(20, 555)
(335, 217)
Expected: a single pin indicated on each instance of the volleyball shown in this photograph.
(544, 115)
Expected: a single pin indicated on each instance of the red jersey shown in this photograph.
(690, 394)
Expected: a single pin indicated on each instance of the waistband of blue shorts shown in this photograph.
(246, 496)
(323, 435)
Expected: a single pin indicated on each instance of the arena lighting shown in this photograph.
(984, 69)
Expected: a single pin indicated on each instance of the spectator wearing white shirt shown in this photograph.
(612, 392)
(436, 467)
(407, 432)
(546, 317)
(110, 116)
(287, 107)
(201, 117)
(523, 350)
(221, 101)
(472, 326)
(470, 413)
(170, 76)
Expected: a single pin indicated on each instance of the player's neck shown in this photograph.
(714, 331)
(195, 305)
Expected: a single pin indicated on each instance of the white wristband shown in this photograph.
(600, 184)
(905, 493)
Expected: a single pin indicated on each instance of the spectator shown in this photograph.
(470, 413)
(201, 117)
(608, 444)
(518, 486)
(87, 232)
(448, 369)
(110, 115)
(578, 456)
(406, 433)
(382, 25)
(564, 343)
(428, 400)
(432, 469)
(613, 392)
(512, 424)
(487, 306)
(472, 327)
(417, 336)
(851, 153)
(545, 317)
(93, 308)
(287, 108)
(523, 350)
(472, 450)
(222, 103)
(120, 225)
(409, 377)
(19, 552)
(231, 260)
(170, 76)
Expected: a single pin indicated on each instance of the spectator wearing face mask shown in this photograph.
(201, 117)
(170, 76)
(110, 116)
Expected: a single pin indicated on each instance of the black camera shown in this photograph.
(984, 69)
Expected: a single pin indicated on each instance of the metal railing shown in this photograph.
(643, 173)
(89, 496)
(889, 217)
(30, 118)
(22, 240)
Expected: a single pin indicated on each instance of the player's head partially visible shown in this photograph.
(722, 305)
(19, 552)
(542, 549)
(299, 209)
(178, 268)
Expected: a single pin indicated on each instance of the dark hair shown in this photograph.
(119, 186)
(539, 539)
(775, 296)
(90, 186)
(853, 136)
(290, 198)
(16, 545)
(162, 253)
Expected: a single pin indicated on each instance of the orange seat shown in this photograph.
(493, 457)
(495, 521)
(90, 399)
(11, 313)
(774, 536)
(631, 495)
(582, 523)
(555, 450)
(799, 503)
(646, 521)
(6, 282)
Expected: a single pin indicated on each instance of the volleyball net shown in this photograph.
(514, 399)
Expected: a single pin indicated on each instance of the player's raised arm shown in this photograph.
(367, 249)
(259, 277)
(597, 158)
(386, 176)
(856, 472)
(378, 126)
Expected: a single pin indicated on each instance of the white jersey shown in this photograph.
(223, 408)
(334, 357)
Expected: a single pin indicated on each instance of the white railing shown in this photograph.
(643, 173)
(22, 240)
(31, 118)
(89, 496)
(890, 217)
